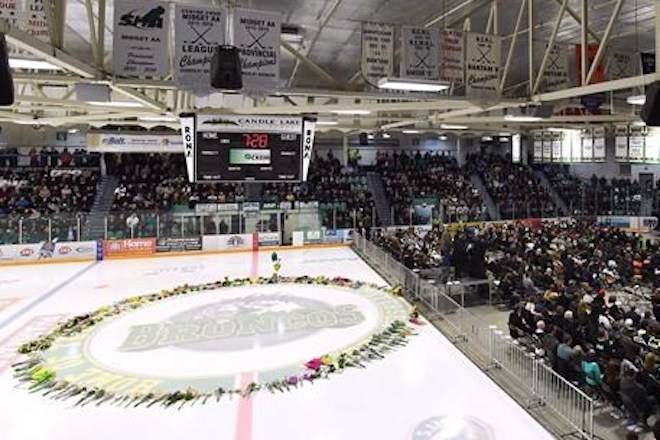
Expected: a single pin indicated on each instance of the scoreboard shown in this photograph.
(247, 148)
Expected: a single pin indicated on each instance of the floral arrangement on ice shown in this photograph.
(35, 373)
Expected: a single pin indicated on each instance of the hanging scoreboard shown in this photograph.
(247, 148)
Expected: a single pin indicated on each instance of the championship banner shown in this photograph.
(651, 150)
(556, 147)
(134, 143)
(556, 75)
(566, 143)
(599, 144)
(547, 146)
(636, 143)
(10, 11)
(419, 53)
(538, 146)
(482, 65)
(257, 36)
(140, 45)
(33, 19)
(622, 65)
(309, 128)
(197, 31)
(452, 56)
(621, 143)
(587, 145)
(377, 52)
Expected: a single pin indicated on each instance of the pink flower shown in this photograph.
(314, 364)
(292, 380)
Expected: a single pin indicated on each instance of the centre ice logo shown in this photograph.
(242, 323)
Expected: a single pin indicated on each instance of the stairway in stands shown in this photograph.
(556, 199)
(493, 210)
(377, 189)
(94, 227)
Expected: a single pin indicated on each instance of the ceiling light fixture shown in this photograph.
(157, 119)
(487, 138)
(327, 123)
(453, 127)
(120, 104)
(410, 131)
(636, 100)
(23, 63)
(386, 136)
(522, 118)
(443, 138)
(351, 112)
(412, 85)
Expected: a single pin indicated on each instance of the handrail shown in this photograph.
(542, 385)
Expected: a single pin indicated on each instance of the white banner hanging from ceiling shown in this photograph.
(452, 56)
(197, 31)
(636, 144)
(547, 146)
(556, 147)
(377, 52)
(140, 44)
(599, 144)
(651, 150)
(622, 65)
(10, 10)
(482, 65)
(538, 146)
(34, 20)
(587, 145)
(556, 75)
(419, 53)
(621, 143)
(257, 36)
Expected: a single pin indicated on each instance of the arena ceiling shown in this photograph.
(320, 65)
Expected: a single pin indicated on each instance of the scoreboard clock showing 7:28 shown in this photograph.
(246, 148)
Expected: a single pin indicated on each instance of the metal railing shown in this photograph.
(541, 384)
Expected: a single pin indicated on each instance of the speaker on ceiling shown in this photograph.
(650, 112)
(364, 139)
(6, 81)
(226, 70)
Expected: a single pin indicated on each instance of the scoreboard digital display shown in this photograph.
(237, 148)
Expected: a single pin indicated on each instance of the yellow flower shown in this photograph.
(326, 359)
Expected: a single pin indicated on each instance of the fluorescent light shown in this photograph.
(370, 136)
(453, 127)
(72, 130)
(636, 100)
(410, 131)
(157, 119)
(22, 63)
(486, 138)
(351, 112)
(412, 85)
(521, 118)
(122, 104)
(504, 139)
(386, 136)
(443, 138)
(327, 123)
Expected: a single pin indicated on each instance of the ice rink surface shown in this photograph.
(426, 390)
